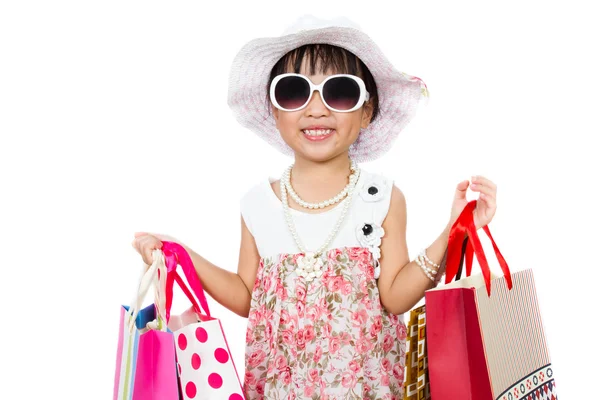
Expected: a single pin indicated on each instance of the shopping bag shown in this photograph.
(146, 364)
(416, 385)
(485, 338)
(205, 365)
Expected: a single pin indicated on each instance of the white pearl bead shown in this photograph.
(285, 188)
(352, 181)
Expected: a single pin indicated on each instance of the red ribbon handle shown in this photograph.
(175, 254)
(465, 225)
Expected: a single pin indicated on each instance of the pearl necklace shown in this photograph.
(309, 265)
(334, 200)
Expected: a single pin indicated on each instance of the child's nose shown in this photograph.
(316, 107)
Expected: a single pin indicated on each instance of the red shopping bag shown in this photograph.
(485, 336)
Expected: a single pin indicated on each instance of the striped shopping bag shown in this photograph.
(485, 338)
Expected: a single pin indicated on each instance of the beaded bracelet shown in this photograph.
(431, 277)
(422, 260)
(430, 273)
(424, 255)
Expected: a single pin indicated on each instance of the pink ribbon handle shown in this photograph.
(175, 254)
(171, 279)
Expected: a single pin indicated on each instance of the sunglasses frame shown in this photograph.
(364, 95)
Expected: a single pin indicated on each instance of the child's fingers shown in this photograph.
(148, 248)
(483, 189)
(461, 190)
(463, 185)
(148, 258)
(480, 180)
(145, 245)
(490, 203)
(136, 236)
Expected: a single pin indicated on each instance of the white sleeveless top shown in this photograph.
(263, 214)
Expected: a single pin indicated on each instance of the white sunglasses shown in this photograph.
(340, 92)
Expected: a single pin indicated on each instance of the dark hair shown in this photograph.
(332, 58)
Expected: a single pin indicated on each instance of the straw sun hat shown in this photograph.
(399, 93)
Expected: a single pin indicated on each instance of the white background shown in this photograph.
(113, 119)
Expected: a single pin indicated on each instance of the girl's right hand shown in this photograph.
(145, 243)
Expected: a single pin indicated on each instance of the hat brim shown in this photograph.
(399, 93)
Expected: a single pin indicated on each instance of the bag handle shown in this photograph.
(155, 274)
(460, 266)
(175, 254)
(465, 225)
(173, 277)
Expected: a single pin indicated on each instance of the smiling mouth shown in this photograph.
(317, 135)
(317, 132)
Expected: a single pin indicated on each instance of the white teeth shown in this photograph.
(317, 132)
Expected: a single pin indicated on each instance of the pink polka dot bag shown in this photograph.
(204, 363)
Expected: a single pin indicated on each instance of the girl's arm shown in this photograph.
(402, 283)
(231, 290)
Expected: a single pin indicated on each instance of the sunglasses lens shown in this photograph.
(292, 92)
(341, 93)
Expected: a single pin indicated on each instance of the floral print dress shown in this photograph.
(328, 337)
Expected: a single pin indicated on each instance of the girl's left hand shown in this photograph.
(486, 203)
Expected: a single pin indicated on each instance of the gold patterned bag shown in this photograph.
(416, 385)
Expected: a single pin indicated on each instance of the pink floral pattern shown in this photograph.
(326, 339)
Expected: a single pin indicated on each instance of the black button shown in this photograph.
(367, 229)
(373, 190)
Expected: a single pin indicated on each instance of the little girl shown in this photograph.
(324, 274)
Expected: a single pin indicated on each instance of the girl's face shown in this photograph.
(345, 127)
